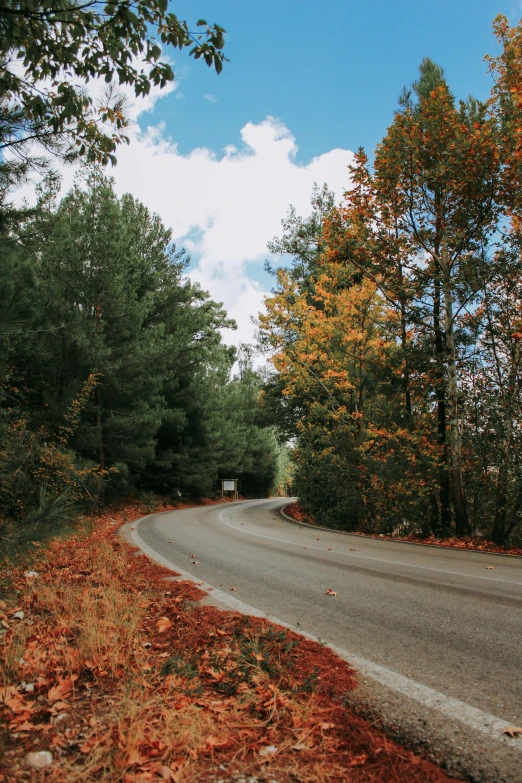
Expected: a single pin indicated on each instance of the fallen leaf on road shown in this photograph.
(163, 624)
(513, 731)
(329, 548)
(330, 592)
(490, 568)
(317, 539)
(353, 550)
(234, 589)
(170, 542)
(133, 528)
(196, 562)
(192, 555)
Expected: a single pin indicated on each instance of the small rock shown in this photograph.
(31, 574)
(39, 759)
(268, 751)
(164, 772)
(22, 662)
(60, 717)
(28, 687)
(19, 615)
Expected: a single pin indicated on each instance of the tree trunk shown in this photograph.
(499, 532)
(444, 483)
(462, 527)
(404, 347)
(99, 430)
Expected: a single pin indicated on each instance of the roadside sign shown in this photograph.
(229, 485)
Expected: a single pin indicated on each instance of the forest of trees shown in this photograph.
(114, 378)
(396, 329)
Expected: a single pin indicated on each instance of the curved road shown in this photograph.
(435, 633)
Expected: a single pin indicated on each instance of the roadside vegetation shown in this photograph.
(114, 376)
(395, 330)
(110, 671)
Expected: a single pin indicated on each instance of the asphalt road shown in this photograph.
(435, 633)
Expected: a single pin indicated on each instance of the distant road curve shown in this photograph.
(435, 633)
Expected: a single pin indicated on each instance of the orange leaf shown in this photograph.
(358, 761)
(163, 624)
(63, 689)
(513, 731)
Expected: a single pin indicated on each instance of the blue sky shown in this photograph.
(330, 70)
(221, 158)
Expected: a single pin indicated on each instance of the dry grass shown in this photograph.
(131, 684)
(99, 617)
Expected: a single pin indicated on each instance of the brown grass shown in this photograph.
(131, 683)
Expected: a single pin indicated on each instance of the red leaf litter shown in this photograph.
(300, 514)
(114, 672)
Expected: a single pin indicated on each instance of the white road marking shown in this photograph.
(366, 557)
(455, 709)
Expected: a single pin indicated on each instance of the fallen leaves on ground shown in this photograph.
(329, 591)
(163, 624)
(113, 677)
(300, 514)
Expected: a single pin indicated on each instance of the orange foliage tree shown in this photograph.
(407, 320)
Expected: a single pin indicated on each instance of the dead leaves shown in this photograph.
(63, 689)
(513, 731)
(211, 649)
(163, 624)
(359, 760)
(490, 568)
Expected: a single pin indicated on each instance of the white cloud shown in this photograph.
(224, 209)
(210, 98)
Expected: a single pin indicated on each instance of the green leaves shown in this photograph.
(70, 43)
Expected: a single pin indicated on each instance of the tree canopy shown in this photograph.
(51, 49)
(396, 331)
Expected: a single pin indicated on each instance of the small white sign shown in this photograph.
(229, 486)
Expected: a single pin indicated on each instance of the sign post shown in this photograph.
(229, 485)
